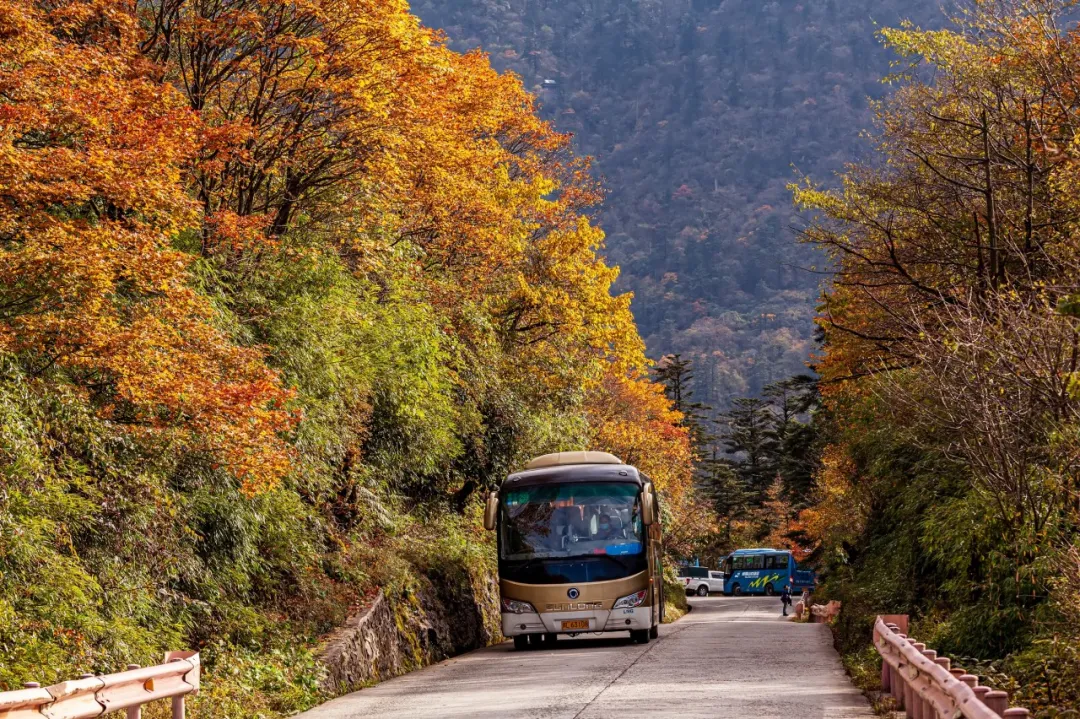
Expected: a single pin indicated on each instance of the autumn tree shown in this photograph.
(92, 153)
(342, 132)
(951, 255)
(284, 286)
(775, 521)
(950, 345)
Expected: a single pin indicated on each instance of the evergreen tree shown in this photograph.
(750, 439)
(676, 375)
(794, 434)
(727, 491)
(717, 478)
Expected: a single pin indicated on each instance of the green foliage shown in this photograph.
(930, 543)
(795, 432)
(59, 613)
(675, 604)
(936, 549)
(101, 567)
(770, 446)
(113, 552)
(677, 376)
(258, 684)
(1045, 676)
(864, 668)
(750, 438)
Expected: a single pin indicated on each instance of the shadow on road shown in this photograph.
(582, 641)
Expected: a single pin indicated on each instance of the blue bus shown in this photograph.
(764, 571)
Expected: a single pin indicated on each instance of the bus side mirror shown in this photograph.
(648, 506)
(491, 510)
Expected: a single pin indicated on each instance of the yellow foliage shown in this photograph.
(840, 509)
(632, 418)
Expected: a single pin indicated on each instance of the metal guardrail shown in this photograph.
(927, 686)
(94, 696)
(824, 613)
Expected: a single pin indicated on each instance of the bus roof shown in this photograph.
(559, 459)
(585, 472)
(762, 550)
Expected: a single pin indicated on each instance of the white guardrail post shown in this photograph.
(926, 686)
(94, 696)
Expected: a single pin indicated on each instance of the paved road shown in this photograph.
(730, 657)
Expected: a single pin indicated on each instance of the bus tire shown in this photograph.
(521, 642)
(769, 591)
(640, 636)
(736, 590)
(654, 632)
(703, 590)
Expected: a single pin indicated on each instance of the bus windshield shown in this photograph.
(571, 520)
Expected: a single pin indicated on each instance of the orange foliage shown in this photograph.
(237, 124)
(91, 152)
(840, 508)
(633, 419)
(777, 515)
(346, 117)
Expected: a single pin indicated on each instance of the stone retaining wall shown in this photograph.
(443, 617)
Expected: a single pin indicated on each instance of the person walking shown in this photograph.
(785, 598)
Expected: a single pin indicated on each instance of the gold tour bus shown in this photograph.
(579, 549)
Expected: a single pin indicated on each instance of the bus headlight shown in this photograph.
(513, 606)
(631, 600)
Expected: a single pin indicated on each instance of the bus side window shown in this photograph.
(757, 562)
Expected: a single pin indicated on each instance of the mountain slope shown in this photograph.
(698, 113)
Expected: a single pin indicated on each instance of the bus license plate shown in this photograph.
(575, 624)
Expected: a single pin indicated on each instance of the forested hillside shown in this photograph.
(283, 286)
(697, 111)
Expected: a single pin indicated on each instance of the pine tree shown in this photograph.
(728, 493)
(751, 443)
(793, 439)
(676, 374)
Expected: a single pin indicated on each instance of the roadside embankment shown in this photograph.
(397, 632)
